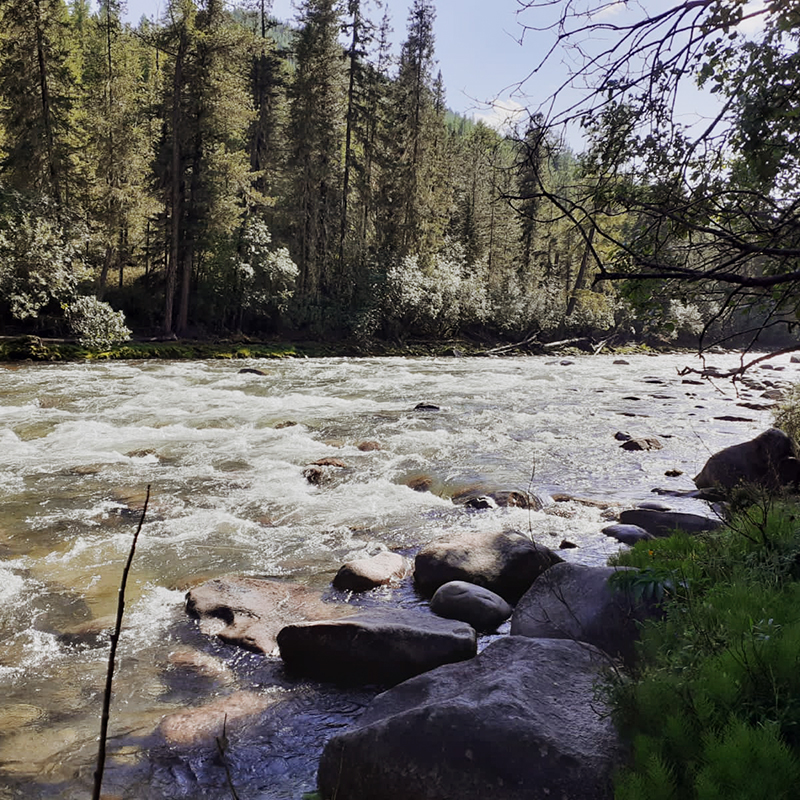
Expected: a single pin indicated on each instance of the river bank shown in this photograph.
(40, 349)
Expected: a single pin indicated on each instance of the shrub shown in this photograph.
(713, 710)
(95, 323)
(787, 415)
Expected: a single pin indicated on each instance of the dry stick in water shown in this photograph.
(101, 753)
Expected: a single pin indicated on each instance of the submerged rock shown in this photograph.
(643, 443)
(384, 647)
(505, 563)
(518, 722)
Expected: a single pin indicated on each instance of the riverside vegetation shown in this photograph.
(712, 710)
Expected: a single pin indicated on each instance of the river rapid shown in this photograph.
(79, 444)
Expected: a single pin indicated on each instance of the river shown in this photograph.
(224, 454)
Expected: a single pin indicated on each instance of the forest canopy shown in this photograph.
(215, 171)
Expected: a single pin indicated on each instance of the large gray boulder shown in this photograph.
(572, 601)
(375, 647)
(505, 563)
(479, 607)
(665, 523)
(519, 722)
(249, 612)
(769, 460)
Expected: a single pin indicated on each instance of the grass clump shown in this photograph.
(713, 707)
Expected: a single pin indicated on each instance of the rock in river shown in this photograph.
(479, 607)
(768, 460)
(249, 612)
(664, 523)
(572, 601)
(375, 647)
(505, 563)
(363, 574)
(519, 722)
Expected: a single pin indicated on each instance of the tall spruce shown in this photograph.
(316, 138)
(37, 85)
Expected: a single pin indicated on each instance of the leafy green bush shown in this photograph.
(713, 709)
(95, 323)
(787, 415)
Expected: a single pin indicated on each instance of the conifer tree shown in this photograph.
(36, 89)
(316, 132)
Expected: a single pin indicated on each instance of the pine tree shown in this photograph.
(36, 87)
(316, 132)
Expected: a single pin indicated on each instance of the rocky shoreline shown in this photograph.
(460, 709)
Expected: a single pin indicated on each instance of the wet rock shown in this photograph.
(481, 503)
(773, 394)
(249, 612)
(621, 362)
(203, 725)
(654, 505)
(573, 601)
(329, 461)
(251, 371)
(758, 461)
(506, 563)
(757, 406)
(375, 647)
(518, 722)
(733, 418)
(567, 545)
(369, 446)
(512, 498)
(692, 382)
(363, 574)
(427, 407)
(479, 607)
(664, 523)
(562, 497)
(622, 436)
(90, 631)
(200, 663)
(674, 473)
(419, 483)
(566, 363)
(627, 534)
(644, 443)
(287, 424)
(795, 359)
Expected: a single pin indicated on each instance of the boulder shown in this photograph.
(479, 607)
(427, 407)
(664, 523)
(375, 647)
(573, 601)
(505, 563)
(643, 443)
(249, 612)
(761, 461)
(363, 574)
(627, 534)
(369, 446)
(251, 371)
(519, 722)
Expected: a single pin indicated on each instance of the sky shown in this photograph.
(477, 50)
(485, 54)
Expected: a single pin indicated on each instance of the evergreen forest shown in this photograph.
(215, 172)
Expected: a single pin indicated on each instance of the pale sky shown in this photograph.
(482, 60)
(477, 51)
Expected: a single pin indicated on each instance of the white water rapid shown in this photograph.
(79, 444)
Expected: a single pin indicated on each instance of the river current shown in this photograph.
(224, 453)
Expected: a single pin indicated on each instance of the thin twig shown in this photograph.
(101, 751)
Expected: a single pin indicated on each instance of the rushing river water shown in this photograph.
(81, 442)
